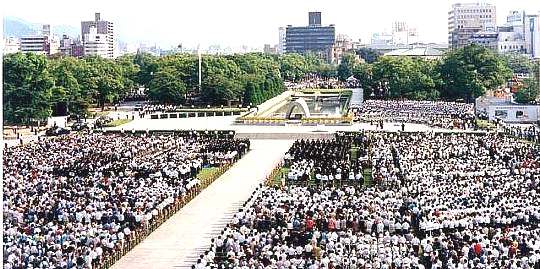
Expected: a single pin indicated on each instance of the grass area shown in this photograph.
(207, 173)
(485, 124)
(276, 181)
(116, 123)
(368, 179)
(354, 153)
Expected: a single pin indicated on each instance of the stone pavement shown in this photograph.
(180, 240)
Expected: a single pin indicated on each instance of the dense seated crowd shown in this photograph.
(325, 161)
(71, 201)
(319, 83)
(529, 133)
(453, 201)
(438, 114)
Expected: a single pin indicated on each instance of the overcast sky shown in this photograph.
(245, 22)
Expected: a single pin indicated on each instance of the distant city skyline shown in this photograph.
(242, 22)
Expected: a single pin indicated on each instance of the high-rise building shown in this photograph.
(488, 39)
(106, 31)
(96, 44)
(532, 34)
(312, 38)
(465, 19)
(412, 36)
(281, 43)
(47, 30)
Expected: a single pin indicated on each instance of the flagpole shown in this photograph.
(200, 67)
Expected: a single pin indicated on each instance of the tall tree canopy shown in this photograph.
(468, 72)
(27, 88)
(35, 86)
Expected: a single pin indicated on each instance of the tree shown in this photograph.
(468, 72)
(346, 66)
(393, 75)
(364, 73)
(293, 67)
(147, 66)
(221, 80)
(108, 80)
(260, 77)
(27, 88)
(129, 70)
(326, 71)
(369, 55)
(166, 87)
(518, 63)
(529, 91)
(424, 80)
(68, 90)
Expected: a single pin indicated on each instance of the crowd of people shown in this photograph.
(326, 161)
(528, 132)
(448, 115)
(72, 201)
(319, 83)
(442, 200)
(149, 108)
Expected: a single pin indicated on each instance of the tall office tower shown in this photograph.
(312, 38)
(105, 28)
(465, 19)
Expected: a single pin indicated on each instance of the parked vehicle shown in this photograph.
(79, 126)
(55, 131)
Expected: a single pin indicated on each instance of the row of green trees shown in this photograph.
(35, 85)
(462, 74)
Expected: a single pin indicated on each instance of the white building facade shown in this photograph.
(96, 44)
(465, 19)
(102, 28)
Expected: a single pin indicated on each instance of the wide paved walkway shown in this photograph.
(178, 242)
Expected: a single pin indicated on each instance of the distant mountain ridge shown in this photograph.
(16, 27)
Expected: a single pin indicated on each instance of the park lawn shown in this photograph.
(354, 153)
(368, 180)
(276, 181)
(116, 123)
(207, 174)
(485, 124)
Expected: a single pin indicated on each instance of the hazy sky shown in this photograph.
(244, 22)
